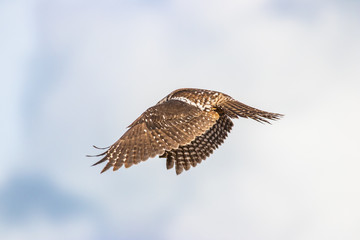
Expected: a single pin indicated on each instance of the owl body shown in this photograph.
(184, 127)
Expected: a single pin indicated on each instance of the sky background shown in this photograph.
(75, 73)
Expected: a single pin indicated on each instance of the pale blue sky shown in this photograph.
(76, 73)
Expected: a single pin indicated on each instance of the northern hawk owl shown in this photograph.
(185, 127)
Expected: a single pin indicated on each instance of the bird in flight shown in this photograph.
(184, 127)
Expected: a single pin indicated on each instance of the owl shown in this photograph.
(184, 127)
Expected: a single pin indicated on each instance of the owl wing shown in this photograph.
(201, 147)
(235, 109)
(160, 128)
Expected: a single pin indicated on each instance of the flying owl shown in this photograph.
(184, 127)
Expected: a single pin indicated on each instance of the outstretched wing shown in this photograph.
(161, 128)
(235, 109)
(201, 147)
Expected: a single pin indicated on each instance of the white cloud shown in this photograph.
(16, 45)
(296, 177)
(43, 229)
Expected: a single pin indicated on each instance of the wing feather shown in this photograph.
(235, 109)
(161, 128)
(147, 146)
(201, 147)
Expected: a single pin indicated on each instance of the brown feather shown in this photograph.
(185, 127)
(201, 147)
(236, 109)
